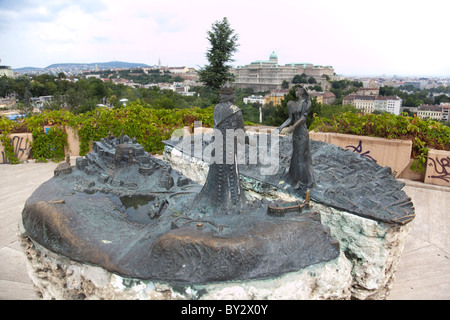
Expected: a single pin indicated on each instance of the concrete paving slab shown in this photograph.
(12, 265)
(18, 182)
(14, 290)
(427, 278)
(423, 272)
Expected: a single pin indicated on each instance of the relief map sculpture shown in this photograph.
(132, 214)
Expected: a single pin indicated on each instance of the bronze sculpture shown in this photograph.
(128, 212)
(301, 174)
(222, 192)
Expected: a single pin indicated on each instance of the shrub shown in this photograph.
(6, 128)
(424, 134)
(149, 126)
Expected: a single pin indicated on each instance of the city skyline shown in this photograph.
(404, 38)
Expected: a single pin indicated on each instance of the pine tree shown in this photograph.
(223, 44)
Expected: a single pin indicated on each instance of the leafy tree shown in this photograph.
(387, 91)
(37, 89)
(50, 88)
(22, 83)
(165, 102)
(441, 98)
(317, 88)
(223, 44)
(6, 86)
(97, 88)
(300, 78)
(341, 88)
(330, 111)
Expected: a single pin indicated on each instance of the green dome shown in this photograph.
(273, 56)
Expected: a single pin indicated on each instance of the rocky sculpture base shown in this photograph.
(56, 277)
(83, 240)
(129, 213)
(364, 269)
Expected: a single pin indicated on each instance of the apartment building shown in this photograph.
(445, 106)
(388, 104)
(275, 96)
(429, 111)
(370, 103)
(323, 97)
(254, 99)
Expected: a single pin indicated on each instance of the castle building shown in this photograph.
(268, 75)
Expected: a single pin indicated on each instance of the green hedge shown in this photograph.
(424, 134)
(6, 128)
(149, 127)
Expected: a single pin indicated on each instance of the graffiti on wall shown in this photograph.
(359, 149)
(441, 168)
(22, 148)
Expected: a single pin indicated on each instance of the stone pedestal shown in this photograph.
(80, 245)
(56, 277)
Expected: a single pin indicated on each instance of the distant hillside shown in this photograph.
(73, 68)
(29, 70)
(99, 65)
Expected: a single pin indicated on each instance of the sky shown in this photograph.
(383, 37)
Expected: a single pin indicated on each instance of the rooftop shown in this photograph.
(429, 107)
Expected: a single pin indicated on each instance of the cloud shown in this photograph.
(389, 37)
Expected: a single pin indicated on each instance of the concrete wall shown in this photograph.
(22, 147)
(438, 168)
(22, 143)
(73, 141)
